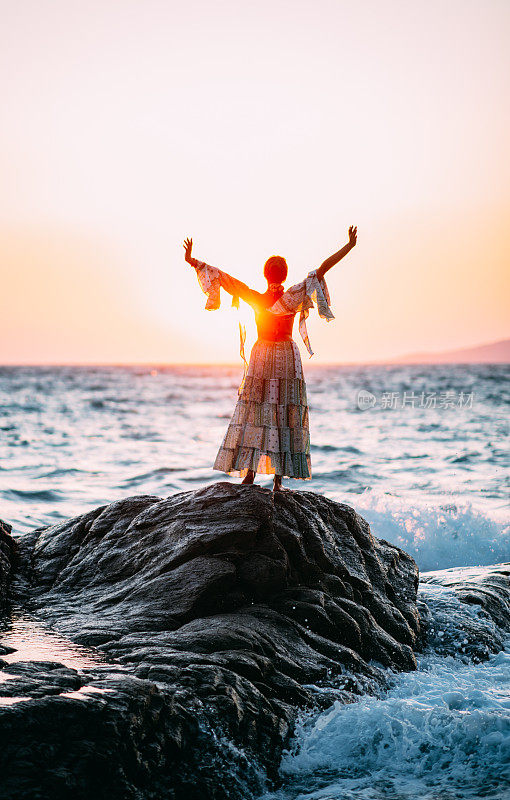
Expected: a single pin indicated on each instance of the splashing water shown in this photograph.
(440, 732)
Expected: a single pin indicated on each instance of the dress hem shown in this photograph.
(241, 473)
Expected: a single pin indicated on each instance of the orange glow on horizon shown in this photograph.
(132, 127)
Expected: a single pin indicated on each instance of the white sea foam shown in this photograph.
(441, 731)
(444, 728)
(437, 536)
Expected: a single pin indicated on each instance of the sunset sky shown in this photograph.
(256, 128)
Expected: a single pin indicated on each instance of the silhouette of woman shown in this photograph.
(269, 430)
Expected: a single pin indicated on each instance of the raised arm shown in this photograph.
(336, 257)
(231, 285)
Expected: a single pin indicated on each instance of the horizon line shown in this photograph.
(158, 364)
(422, 358)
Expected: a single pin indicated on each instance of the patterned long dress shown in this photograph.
(269, 430)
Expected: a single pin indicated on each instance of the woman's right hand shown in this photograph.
(188, 244)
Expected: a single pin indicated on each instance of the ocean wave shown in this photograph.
(442, 731)
(141, 478)
(437, 537)
(16, 408)
(344, 475)
(332, 448)
(45, 495)
(65, 472)
(463, 458)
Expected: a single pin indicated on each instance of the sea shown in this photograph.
(420, 451)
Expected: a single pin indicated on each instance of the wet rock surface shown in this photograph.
(7, 559)
(220, 613)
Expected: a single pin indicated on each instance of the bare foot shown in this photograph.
(250, 477)
(277, 483)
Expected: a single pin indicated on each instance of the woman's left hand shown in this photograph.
(353, 235)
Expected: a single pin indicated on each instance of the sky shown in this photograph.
(257, 129)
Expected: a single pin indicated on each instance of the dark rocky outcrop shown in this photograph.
(220, 613)
(7, 559)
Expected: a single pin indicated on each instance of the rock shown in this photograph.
(222, 612)
(7, 559)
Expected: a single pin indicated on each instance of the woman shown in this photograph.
(269, 430)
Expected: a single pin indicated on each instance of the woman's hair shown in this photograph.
(275, 269)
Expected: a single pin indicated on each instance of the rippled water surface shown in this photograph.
(427, 464)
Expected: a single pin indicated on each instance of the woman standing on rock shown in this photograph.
(269, 431)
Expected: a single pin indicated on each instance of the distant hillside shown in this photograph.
(494, 353)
